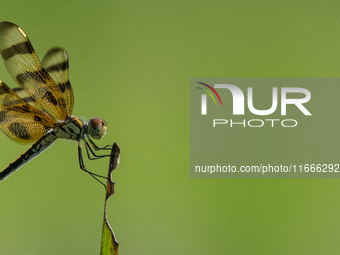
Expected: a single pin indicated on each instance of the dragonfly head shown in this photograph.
(96, 128)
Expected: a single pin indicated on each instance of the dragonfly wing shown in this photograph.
(20, 121)
(25, 68)
(24, 96)
(55, 63)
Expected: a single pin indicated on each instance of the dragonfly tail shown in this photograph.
(37, 148)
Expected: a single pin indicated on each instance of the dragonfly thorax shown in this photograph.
(72, 128)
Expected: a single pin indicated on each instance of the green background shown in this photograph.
(131, 64)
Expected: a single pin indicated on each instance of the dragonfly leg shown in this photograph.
(82, 166)
(89, 151)
(107, 147)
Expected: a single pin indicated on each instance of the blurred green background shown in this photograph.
(131, 64)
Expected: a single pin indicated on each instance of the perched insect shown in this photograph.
(40, 110)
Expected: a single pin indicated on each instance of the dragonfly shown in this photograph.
(39, 110)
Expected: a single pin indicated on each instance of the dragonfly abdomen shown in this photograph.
(37, 148)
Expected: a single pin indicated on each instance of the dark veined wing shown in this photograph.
(27, 99)
(25, 68)
(55, 63)
(20, 121)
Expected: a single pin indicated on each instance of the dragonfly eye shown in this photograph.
(96, 128)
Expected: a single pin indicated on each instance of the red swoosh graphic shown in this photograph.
(213, 90)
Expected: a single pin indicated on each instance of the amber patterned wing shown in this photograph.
(24, 96)
(55, 63)
(25, 68)
(20, 121)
